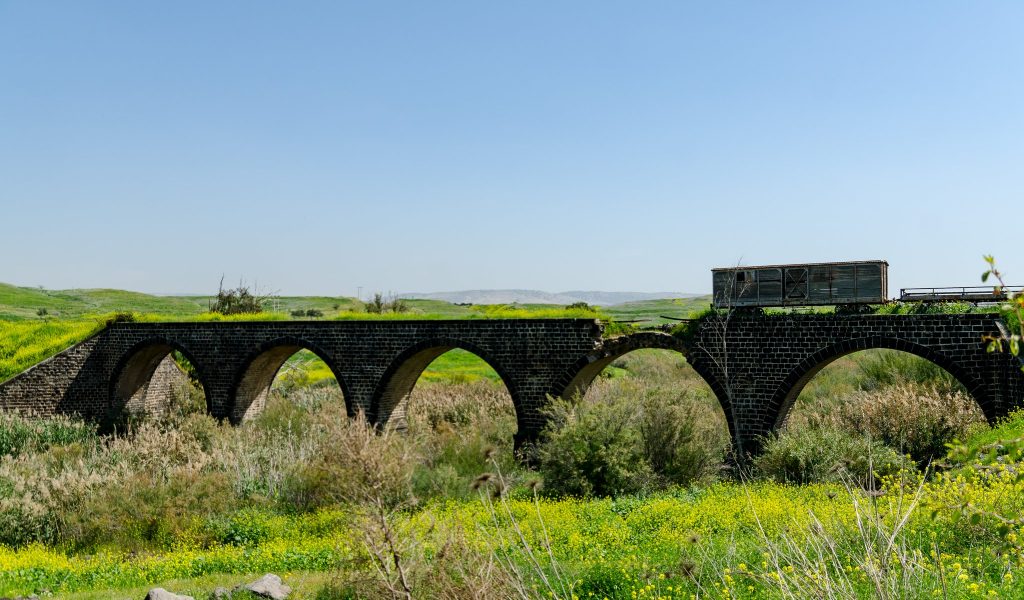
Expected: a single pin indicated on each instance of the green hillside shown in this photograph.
(652, 311)
(17, 303)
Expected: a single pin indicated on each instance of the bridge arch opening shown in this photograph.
(449, 388)
(680, 416)
(285, 367)
(156, 379)
(905, 396)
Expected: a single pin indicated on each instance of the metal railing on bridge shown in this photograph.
(958, 294)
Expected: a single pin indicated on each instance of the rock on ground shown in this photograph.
(269, 586)
(162, 594)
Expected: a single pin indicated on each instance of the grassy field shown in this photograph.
(653, 311)
(632, 497)
(277, 495)
(21, 303)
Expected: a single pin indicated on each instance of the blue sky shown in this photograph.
(428, 146)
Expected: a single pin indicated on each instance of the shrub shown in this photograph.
(456, 426)
(917, 420)
(380, 305)
(629, 435)
(353, 463)
(236, 301)
(122, 317)
(681, 447)
(593, 448)
(148, 509)
(813, 454)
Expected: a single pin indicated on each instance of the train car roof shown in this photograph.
(816, 264)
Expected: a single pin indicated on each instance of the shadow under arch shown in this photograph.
(391, 396)
(134, 371)
(585, 370)
(256, 376)
(789, 390)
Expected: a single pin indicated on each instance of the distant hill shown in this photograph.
(18, 303)
(539, 297)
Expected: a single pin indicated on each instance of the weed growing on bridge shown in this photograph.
(1012, 309)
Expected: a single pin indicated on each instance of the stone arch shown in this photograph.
(788, 391)
(585, 370)
(256, 375)
(389, 399)
(131, 383)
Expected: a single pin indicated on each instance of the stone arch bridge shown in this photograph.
(755, 364)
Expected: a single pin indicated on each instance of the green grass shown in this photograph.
(19, 303)
(652, 311)
(454, 366)
(458, 366)
(630, 547)
(25, 343)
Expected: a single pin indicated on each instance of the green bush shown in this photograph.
(147, 510)
(593, 448)
(458, 428)
(812, 454)
(680, 447)
(629, 435)
(353, 463)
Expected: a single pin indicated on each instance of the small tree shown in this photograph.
(379, 305)
(714, 343)
(236, 301)
(376, 305)
(398, 305)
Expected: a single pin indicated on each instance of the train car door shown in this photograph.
(795, 285)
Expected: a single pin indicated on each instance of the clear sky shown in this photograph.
(426, 146)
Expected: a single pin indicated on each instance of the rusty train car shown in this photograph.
(811, 284)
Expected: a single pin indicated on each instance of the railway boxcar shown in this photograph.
(815, 284)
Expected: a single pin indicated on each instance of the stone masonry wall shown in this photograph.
(762, 362)
(755, 364)
(529, 354)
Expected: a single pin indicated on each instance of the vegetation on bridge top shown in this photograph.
(36, 323)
